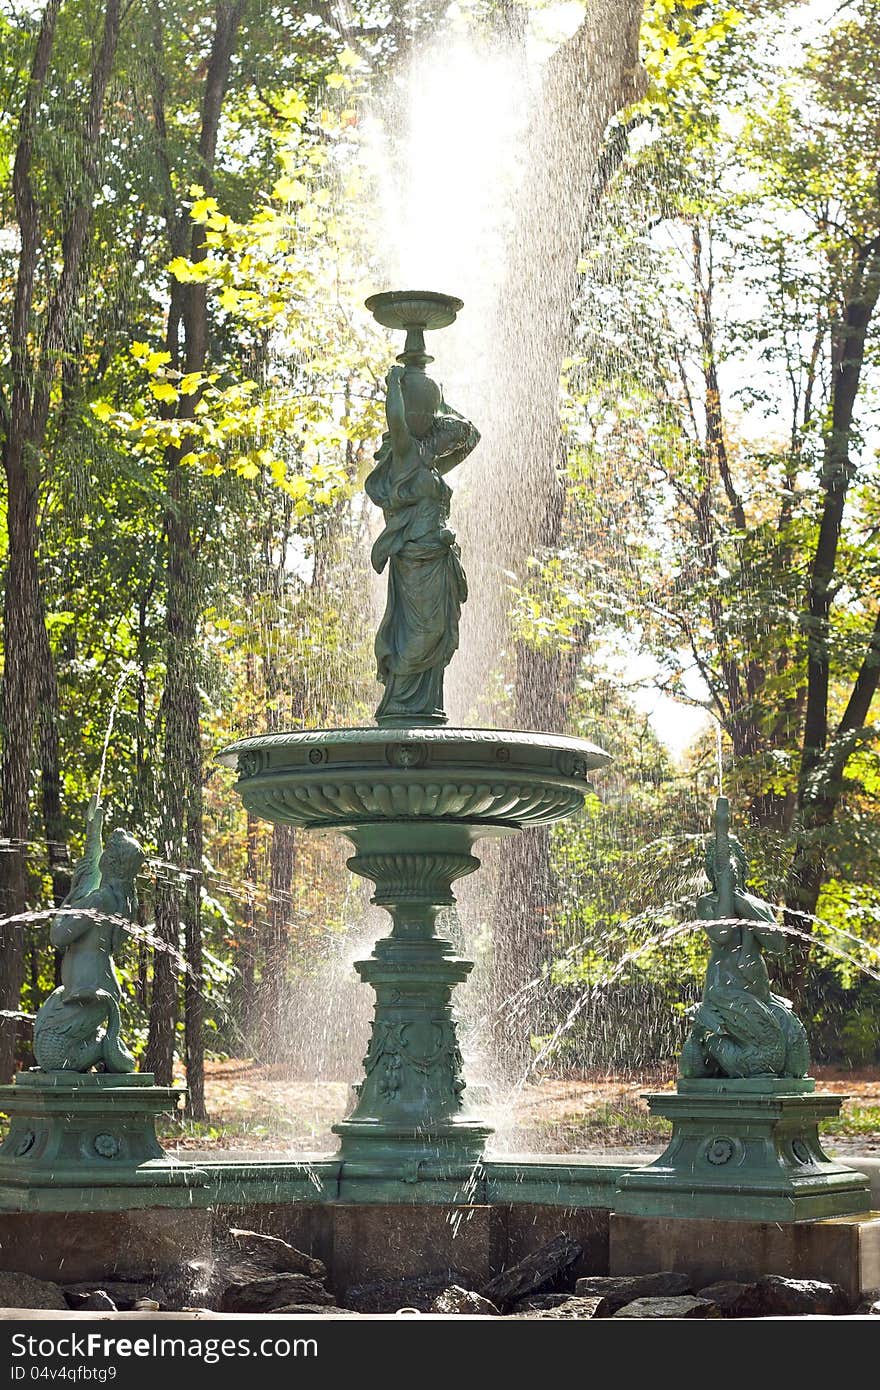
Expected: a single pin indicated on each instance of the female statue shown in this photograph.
(426, 583)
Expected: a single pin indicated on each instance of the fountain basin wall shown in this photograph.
(336, 777)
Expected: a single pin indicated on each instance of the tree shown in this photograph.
(50, 267)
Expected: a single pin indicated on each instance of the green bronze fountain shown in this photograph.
(410, 1188)
(414, 795)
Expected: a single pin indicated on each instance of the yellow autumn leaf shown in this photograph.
(102, 410)
(163, 391)
(291, 190)
(193, 271)
(336, 79)
(190, 383)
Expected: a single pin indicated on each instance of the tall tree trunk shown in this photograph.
(823, 762)
(588, 79)
(182, 770)
(21, 604)
(27, 655)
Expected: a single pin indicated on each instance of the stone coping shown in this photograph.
(745, 1086)
(438, 735)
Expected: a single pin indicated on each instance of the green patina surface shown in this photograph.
(77, 1027)
(414, 796)
(424, 441)
(741, 1028)
(71, 1132)
(743, 1151)
(745, 1117)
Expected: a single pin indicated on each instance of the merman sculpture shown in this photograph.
(741, 1028)
(77, 1027)
(425, 440)
(745, 1141)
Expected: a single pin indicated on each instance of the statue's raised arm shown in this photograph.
(86, 873)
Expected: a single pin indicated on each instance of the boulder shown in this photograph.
(776, 1296)
(540, 1268)
(269, 1254)
(23, 1291)
(569, 1308)
(98, 1302)
(619, 1289)
(539, 1302)
(146, 1305)
(733, 1300)
(685, 1306)
(463, 1301)
(869, 1307)
(313, 1310)
(415, 1291)
(273, 1291)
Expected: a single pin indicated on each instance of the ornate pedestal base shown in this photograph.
(409, 1122)
(89, 1134)
(744, 1150)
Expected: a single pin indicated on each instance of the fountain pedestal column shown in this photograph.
(410, 1120)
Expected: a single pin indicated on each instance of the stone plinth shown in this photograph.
(744, 1150)
(843, 1250)
(78, 1138)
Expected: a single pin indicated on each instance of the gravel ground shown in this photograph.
(259, 1110)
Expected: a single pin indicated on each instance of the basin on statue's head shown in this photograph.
(414, 795)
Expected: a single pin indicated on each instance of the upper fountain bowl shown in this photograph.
(335, 778)
(414, 308)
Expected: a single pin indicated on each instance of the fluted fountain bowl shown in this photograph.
(412, 801)
(499, 779)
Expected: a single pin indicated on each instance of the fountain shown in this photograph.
(413, 795)
(743, 1188)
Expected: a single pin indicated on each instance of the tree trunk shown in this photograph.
(27, 654)
(820, 782)
(588, 79)
(182, 771)
(22, 604)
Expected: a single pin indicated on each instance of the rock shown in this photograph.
(869, 1307)
(146, 1305)
(123, 1293)
(537, 1270)
(732, 1299)
(273, 1291)
(619, 1289)
(270, 1254)
(540, 1302)
(685, 1306)
(776, 1296)
(314, 1309)
(463, 1301)
(569, 1308)
(99, 1302)
(416, 1291)
(23, 1291)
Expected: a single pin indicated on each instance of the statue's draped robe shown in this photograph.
(426, 583)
